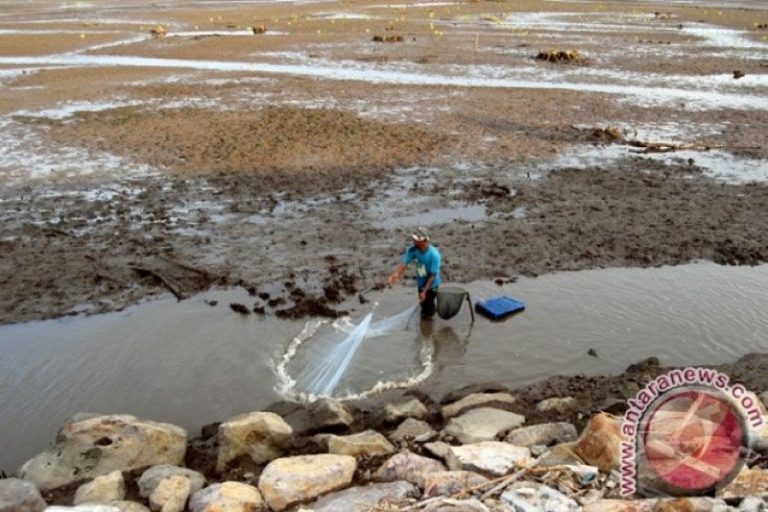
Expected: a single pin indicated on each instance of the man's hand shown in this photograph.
(423, 296)
(395, 276)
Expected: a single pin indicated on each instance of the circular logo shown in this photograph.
(691, 440)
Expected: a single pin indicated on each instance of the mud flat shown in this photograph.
(134, 164)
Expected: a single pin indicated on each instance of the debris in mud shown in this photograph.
(159, 31)
(738, 74)
(562, 56)
(211, 303)
(592, 352)
(610, 133)
(309, 307)
(761, 26)
(261, 29)
(239, 308)
(388, 39)
(259, 310)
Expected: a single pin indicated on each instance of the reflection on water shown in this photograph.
(191, 364)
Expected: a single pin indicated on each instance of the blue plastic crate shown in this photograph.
(499, 307)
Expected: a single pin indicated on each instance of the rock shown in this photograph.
(439, 449)
(405, 408)
(600, 442)
(226, 497)
(690, 505)
(534, 497)
(493, 457)
(129, 506)
(559, 454)
(20, 496)
(360, 499)
(366, 443)
(170, 495)
(620, 506)
(407, 466)
(749, 482)
(416, 430)
(99, 445)
(482, 424)
(324, 415)
(447, 483)
(84, 508)
(556, 404)
(753, 504)
(474, 400)
(152, 477)
(545, 433)
(262, 436)
(453, 505)
(291, 480)
(764, 399)
(103, 489)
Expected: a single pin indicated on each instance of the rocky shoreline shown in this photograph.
(552, 446)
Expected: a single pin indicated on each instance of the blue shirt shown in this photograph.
(427, 263)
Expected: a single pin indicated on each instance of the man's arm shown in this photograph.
(427, 287)
(395, 276)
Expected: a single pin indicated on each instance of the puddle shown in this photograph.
(716, 164)
(190, 364)
(456, 211)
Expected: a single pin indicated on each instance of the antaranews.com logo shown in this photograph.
(686, 432)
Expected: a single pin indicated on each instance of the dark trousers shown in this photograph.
(428, 305)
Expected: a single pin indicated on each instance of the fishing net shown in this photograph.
(337, 348)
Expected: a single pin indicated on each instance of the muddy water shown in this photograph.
(190, 363)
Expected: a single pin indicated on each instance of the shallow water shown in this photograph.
(191, 364)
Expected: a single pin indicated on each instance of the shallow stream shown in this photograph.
(190, 363)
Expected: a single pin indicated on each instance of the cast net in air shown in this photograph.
(331, 350)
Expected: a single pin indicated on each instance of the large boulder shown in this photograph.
(262, 436)
(482, 424)
(226, 497)
(448, 483)
(490, 457)
(170, 495)
(292, 480)
(407, 466)
(362, 499)
(600, 442)
(95, 446)
(533, 497)
(152, 477)
(20, 496)
(408, 407)
(472, 401)
(103, 489)
(366, 443)
(542, 434)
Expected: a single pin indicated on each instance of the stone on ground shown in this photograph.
(482, 424)
(226, 497)
(600, 442)
(153, 476)
(535, 497)
(98, 445)
(18, 495)
(447, 483)
(475, 400)
(545, 433)
(413, 429)
(361, 499)
(262, 436)
(490, 457)
(103, 489)
(404, 408)
(368, 443)
(292, 480)
(170, 495)
(409, 467)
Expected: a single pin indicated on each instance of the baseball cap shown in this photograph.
(420, 235)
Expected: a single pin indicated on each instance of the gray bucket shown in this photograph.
(449, 301)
